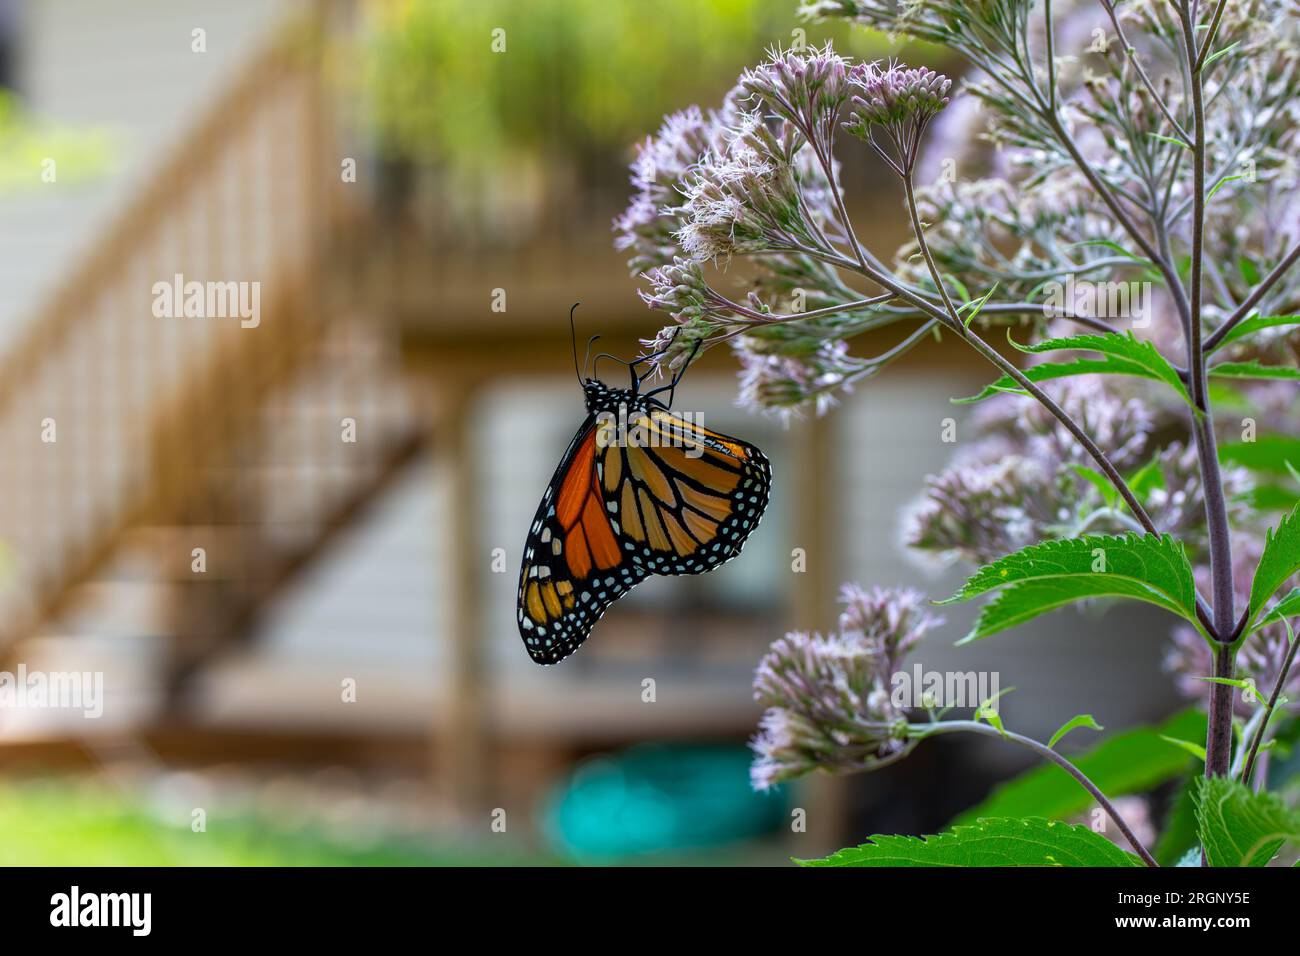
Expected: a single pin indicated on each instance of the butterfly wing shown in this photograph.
(574, 567)
(685, 498)
(676, 499)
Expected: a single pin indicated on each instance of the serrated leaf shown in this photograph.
(988, 842)
(1049, 575)
(1082, 720)
(1133, 761)
(1280, 560)
(1255, 323)
(1122, 354)
(1239, 827)
(1253, 369)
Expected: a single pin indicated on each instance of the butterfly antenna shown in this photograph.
(573, 339)
(586, 356)
(613, 358)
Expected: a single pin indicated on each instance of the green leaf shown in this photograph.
(1255, 323)
(1109, 495)
(1220, 184)
(962, 291)
(976, 306)
(1253, 369)
(1247, 683)
(1147, 478)
(1170, 139)
(993, 717)
(1133, 761)
(1273, 454)
(1240, 827)
(1225, 397)
(989, 842)
(1280, 560)
(1271, 497)
(1082, 720)
(1196, 750)
(1288, 607)
(1122, 354)
(1046, 576)
(1113, 247)
(1214, 56)
(1178, 835)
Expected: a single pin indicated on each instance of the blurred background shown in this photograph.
(292, 550)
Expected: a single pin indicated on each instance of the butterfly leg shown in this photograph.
(671, 387)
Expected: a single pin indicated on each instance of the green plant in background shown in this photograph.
(1139, 221)
(27, 143)
(559, 78)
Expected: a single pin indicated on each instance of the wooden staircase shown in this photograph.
(225, 450)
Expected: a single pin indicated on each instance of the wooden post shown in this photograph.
(463, 740)
(823, 797)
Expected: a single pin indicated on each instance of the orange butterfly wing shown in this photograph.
(573, 568)
(674, 498)
(686, 497)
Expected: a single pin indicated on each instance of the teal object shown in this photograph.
(660, 797)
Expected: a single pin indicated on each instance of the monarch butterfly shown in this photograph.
(640, 491)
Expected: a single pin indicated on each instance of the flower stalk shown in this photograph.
(921, 731)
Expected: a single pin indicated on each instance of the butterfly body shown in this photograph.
(640, 491)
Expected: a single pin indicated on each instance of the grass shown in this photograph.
(57, 824)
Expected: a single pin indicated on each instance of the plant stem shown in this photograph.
(1209, 36)
(1218, 740)
(1249, 767)
(1050, 54)
(1218, 743)
(953, 322)
(922, 731)
(1107, 195)
(1131, 53)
